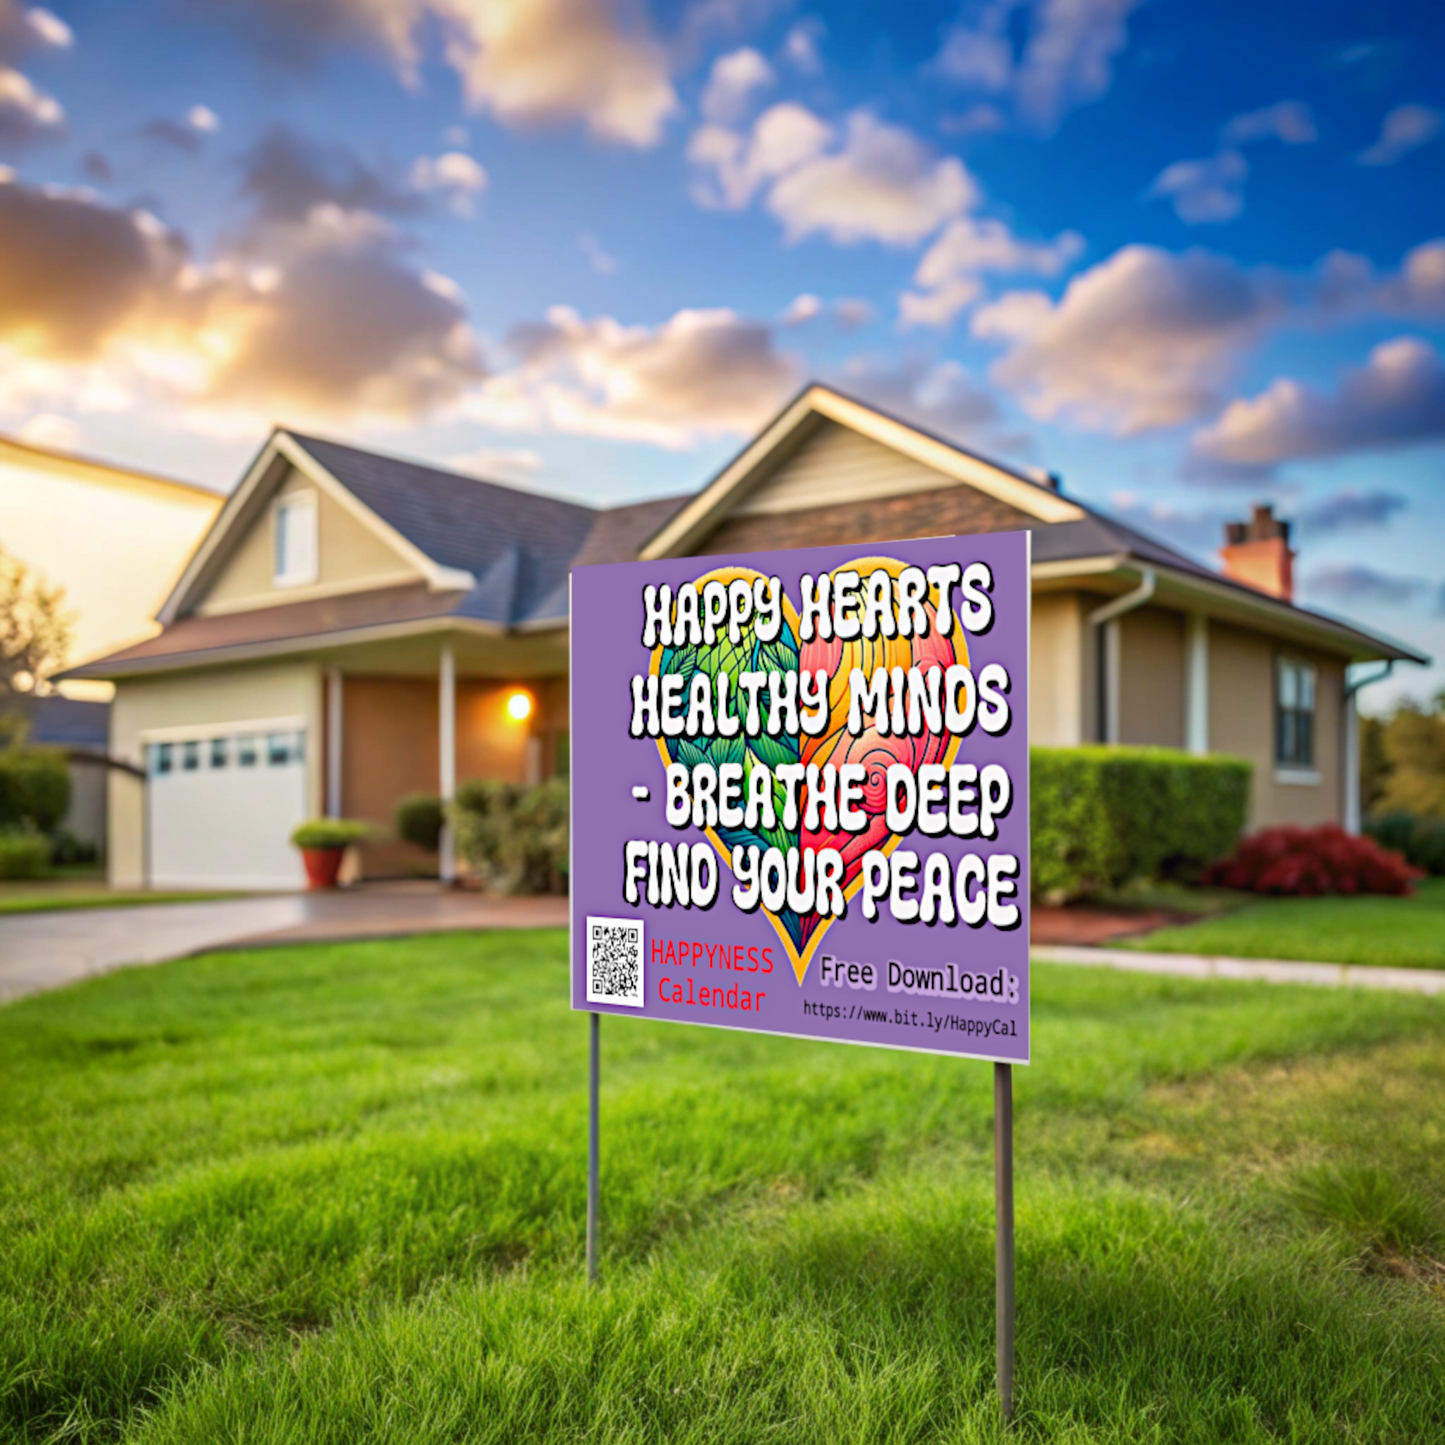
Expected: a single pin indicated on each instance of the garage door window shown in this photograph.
(190, 756)
(246, 752)
(283, 748)
(162, 758)
(220, 752)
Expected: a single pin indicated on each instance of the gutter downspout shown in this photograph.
(1351, 728)
(1108, 657)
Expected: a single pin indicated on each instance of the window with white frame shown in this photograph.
(1294, 714)
(296, 539)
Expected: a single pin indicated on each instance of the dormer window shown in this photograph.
(296, 539)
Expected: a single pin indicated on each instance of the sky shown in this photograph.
(1188, 257)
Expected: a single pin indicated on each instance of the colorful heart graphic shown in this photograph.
(800, 934)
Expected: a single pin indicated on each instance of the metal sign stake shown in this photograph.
(1003, 1180)
(593, 1146)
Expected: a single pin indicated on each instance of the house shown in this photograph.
(70, 519)
(353, 627)
(67, 518)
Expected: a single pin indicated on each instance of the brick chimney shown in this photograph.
(1257, 553)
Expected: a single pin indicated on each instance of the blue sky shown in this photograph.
(1187, 256)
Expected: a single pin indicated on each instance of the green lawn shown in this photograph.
(333, 1195)
(1403, 932)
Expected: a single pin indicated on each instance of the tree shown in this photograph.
(35, 629)
(1413, 743)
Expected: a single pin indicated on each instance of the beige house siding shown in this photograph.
(115, 540)
(1151, 681)
(214, 697)
(837, 466)
(1241, 722)
(350, 557)
(1056, 670)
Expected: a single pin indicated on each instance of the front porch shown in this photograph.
(426, 713)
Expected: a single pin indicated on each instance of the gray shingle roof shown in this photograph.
(518, 545)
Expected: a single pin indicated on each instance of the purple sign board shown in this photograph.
(800, 793)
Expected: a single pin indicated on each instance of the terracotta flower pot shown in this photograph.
(323, 866)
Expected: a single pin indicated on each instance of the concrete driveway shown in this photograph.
(40, 951)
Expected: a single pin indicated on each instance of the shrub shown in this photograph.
(66, 849)
(34, 788)
(1420, 839)
(23, 854)
(1307, 862)
(330, 833)
(1102, 816)
(418, 820)
(514, 839)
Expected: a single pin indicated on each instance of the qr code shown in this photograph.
(614, 961)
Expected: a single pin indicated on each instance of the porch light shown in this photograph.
(519, 706)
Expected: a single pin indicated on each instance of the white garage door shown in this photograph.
(221, 805)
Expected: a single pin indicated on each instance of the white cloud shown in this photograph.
(598, 257)
(730, 87)
(1404, 129)
(883, 185)
(1205, 191)
(940, 306)
(204, 119)
(696, 376)
(526, 61)
(1396, 399)
(848, 311)
(875, 182)
(947, 275)
(1289, 121)
(929, 393)
(783, 137)
(1015, 315)
(455, 174)
(508, 464)
(1067, 57)
(800, 309)
(102, 308)
(1144, 339)
(26, 112)
(800, 48)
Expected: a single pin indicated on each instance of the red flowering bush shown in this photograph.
(1306, 862)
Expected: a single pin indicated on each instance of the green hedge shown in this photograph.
(34, 788)
(418, 820)
(22, 854)
(1105, 815)
(513, 838)
(1421, 839)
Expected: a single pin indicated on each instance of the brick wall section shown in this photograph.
(941, 513)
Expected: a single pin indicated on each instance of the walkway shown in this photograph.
(40, 951)
(1257, 970)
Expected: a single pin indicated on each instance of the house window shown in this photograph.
(296, 539)
(1294, 714)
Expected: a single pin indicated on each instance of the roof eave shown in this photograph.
(1336, 635)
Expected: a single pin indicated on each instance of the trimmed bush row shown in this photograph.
(1421, 839)
(1105, 815)
(34, 788)
(514, 838)
(23, 854)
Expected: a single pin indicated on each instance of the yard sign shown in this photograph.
(800, 793)
(800, 805)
